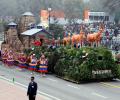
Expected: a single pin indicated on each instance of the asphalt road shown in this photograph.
(58, 89)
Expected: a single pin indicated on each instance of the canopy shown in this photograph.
(31, 32)
(12, 24)
(27, 14)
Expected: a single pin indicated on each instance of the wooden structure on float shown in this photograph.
(26, 19)
(15, 38)
(35, 34)
(11, 38)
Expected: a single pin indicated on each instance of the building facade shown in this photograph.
(90, 17)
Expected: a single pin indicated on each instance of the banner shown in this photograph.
(44, 18)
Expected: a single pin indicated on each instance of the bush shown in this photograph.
(79, 64)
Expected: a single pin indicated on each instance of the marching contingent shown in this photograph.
(10, 59)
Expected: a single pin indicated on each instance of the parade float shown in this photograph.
(83, 63)
(80, 64)
(71, 59)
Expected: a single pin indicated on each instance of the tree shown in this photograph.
(73, 8)
(57, 30)
(117, 17)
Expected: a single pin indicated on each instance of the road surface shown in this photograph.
(58, 89)
(11, 91)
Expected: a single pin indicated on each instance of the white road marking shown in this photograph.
(52, 79)
(99, 95)
(45, 94)
(24, 88)
(73, 86)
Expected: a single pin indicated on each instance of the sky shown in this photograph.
(86, 1)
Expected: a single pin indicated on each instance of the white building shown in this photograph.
(90, 17)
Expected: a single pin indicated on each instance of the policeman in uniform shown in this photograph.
(32, 89)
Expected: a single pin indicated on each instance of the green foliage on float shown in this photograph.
(80, 64)
(86, 64)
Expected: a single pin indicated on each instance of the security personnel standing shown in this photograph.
(32, 89)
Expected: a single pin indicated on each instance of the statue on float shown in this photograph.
(95, 37)
(78, 38)
(92, 38)
(67, 40)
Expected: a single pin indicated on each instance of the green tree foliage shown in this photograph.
(57, 30)
(117, 17)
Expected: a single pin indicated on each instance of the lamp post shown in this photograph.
(49, 10)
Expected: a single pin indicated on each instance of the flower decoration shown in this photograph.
(37, 43)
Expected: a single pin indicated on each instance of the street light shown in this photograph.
(49, 10)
